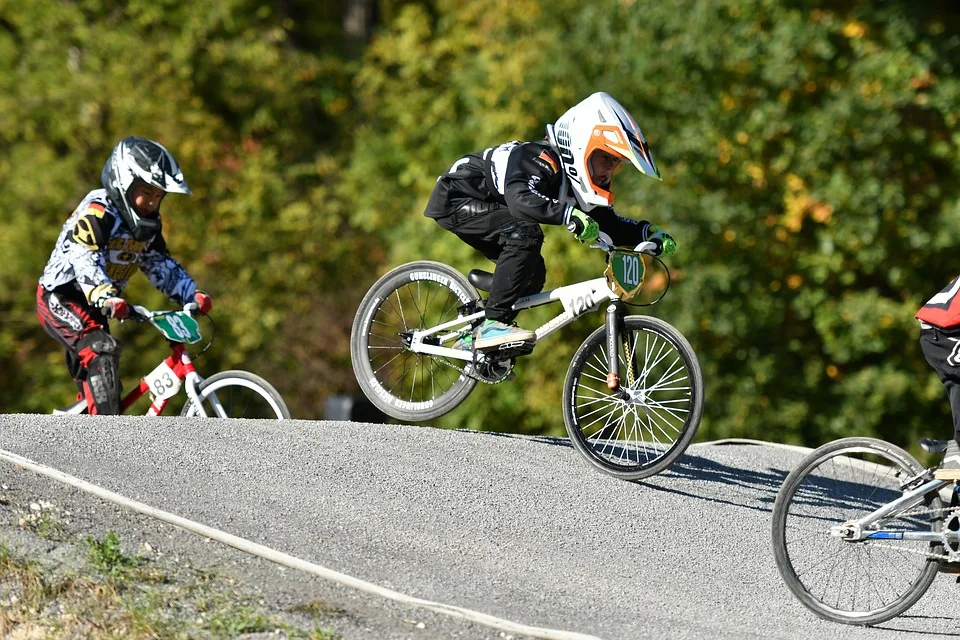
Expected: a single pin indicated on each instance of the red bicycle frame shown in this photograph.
(179, 362)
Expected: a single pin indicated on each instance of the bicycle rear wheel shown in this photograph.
(237, 394)
(639, 435)
(403, 384)
(866, 582)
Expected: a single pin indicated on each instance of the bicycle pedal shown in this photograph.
(509, 350)
(933, 446)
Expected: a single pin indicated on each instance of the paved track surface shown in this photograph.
(516, 527)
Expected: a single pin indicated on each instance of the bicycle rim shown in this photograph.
(404, 384)
(865, 582)
(639, 436)
(233, 396)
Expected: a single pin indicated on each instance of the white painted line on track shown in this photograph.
(749, 441)
(290, 561)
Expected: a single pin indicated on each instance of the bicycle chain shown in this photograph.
(926, 554)
(472, 376)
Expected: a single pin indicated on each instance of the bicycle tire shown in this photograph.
(405, 385)
(830, 487)
(269, 406)
(670, 415)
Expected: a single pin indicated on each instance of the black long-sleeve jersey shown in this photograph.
(527, 178)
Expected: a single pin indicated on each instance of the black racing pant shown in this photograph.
(514, 245)
(942, 351)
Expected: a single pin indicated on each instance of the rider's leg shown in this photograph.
(520, 270)
(68, 319)
(942, 352)
(538, 277)
(514, 246)
(478, 223)
(520, 267)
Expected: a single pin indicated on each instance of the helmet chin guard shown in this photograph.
(598, 123)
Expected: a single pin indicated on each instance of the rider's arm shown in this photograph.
(85, 248)
(165, 273)
(624, 231)
(532, 184)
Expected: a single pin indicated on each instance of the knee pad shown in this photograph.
(100, 355)
(96, 342)
(102, 385)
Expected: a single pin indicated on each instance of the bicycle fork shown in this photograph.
(614, 322)
(192, 381)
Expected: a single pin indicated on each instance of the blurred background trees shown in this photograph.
(809, 153)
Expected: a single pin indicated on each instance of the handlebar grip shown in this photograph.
(138, 313)
(648, 246)
(191, 308)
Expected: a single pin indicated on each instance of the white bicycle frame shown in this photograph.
(577, 300)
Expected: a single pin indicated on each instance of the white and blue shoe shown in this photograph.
(495, 334)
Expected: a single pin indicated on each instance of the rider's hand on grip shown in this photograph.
(663, 239)
(115, 307)
(204, 302)
(583, 227)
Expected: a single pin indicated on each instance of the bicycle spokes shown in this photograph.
(848, 541)
(412, 377)
(640, 422)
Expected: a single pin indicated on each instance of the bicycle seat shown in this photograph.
(482, 280)
(933, 446)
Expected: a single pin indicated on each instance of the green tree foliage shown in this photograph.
(256, 122)
(809, 153)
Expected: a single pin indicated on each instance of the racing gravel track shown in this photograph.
(515, 527)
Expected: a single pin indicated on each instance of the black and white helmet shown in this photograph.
(139, 160)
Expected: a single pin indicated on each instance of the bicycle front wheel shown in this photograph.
(237, 394)
(640, 429)
(854, 582)
(402, 383)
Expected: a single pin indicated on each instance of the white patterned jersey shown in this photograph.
(97, 252)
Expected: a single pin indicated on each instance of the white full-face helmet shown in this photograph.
(598, 123)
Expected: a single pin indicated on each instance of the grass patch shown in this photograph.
(43, 519)
(239, 620)
(115, 595)
(107, 556)
(318, 609)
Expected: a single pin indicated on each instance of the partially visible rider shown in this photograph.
(495, 200)
(112, 232)
(940, 341)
